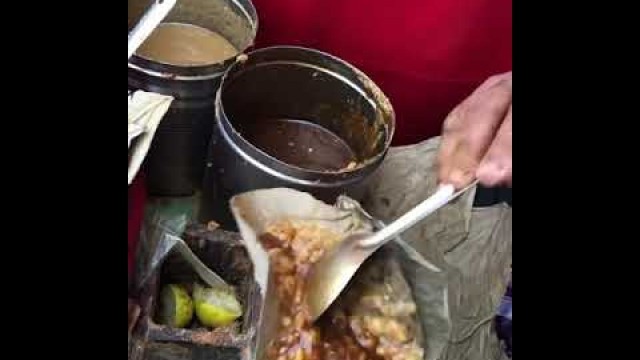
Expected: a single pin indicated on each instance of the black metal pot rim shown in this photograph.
(199, 72)
(361, 166)
(173, 76)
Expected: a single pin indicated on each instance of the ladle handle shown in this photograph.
(444, 195)
(149, 21)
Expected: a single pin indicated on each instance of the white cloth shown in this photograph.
(146, 110)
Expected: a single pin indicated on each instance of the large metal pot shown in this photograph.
(175, 163)
(295, 83)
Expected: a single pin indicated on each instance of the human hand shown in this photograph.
(476, 139)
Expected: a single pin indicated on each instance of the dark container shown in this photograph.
(225, 253)
(293, 83)
(175, 163)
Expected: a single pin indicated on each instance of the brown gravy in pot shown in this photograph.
(186, 45)
(300, 143)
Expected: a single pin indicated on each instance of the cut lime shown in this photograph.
(216, 307)
(176, 306)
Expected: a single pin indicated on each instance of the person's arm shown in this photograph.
(477, 137)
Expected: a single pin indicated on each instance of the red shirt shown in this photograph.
(426, 55)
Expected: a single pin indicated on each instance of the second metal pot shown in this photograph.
(295, 83)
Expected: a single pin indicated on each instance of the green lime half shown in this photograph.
(176, 306)
(216, 307)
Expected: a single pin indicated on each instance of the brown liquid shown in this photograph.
(186, 45)
(300, 143)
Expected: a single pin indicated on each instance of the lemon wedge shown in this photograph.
(216, 307)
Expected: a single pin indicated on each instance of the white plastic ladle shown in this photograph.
(151, 19)
(332, 273)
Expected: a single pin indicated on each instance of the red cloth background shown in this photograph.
(426, 55)
(136, 199)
